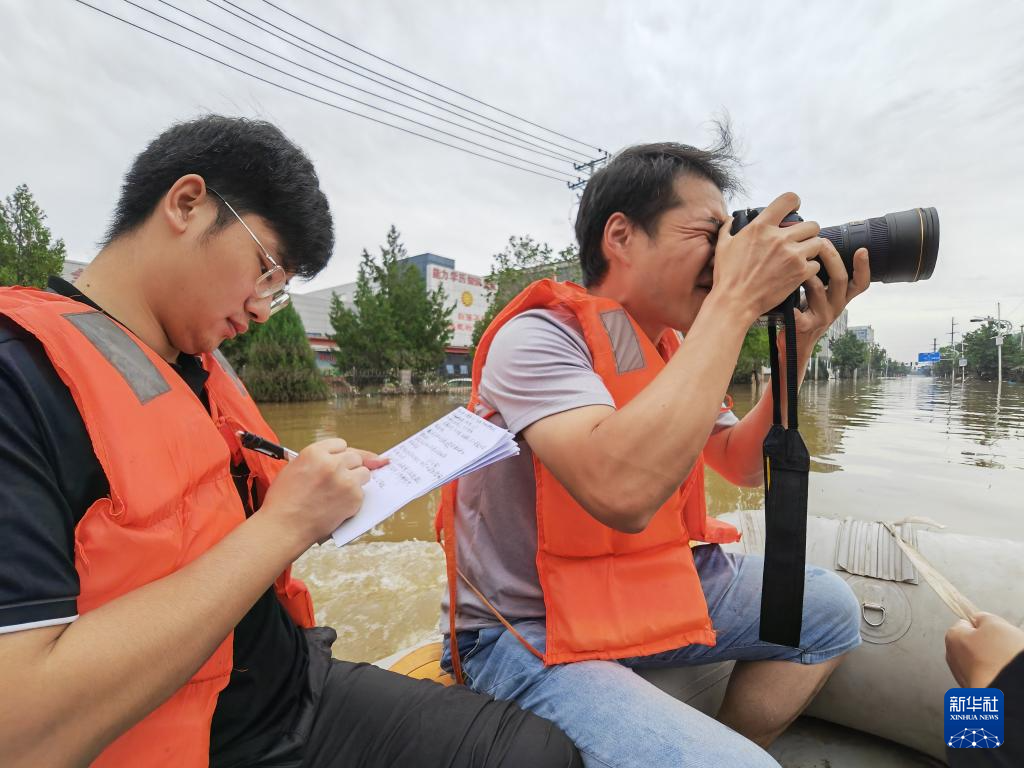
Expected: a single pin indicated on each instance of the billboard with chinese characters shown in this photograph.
(469, 296)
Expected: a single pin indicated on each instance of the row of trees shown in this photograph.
(979, 348)
(850, 354)
(395, 323)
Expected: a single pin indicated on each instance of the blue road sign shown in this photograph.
(928, 357)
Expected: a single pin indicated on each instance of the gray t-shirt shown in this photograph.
(538, 365)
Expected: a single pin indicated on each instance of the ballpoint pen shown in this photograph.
(261, 445)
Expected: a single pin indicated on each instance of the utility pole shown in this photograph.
(999, 348)
(587, 168)
(1003, 328)
(952, 350)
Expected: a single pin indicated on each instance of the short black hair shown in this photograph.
(254, 166)
(639, 182)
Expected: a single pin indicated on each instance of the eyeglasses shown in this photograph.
(273, 283)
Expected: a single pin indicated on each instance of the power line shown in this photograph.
(350, 85)
(343, 96)
(539, 149)
(427, 79)
(314, 98)
(392, 80)
(1019, 303)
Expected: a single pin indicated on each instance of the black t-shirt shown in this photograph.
(49, 477)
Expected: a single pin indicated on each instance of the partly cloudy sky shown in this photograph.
(860, 107)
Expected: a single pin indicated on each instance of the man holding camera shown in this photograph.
(574, 561)
(147, 613)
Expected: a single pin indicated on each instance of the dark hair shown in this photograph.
(640, 183)
(254, 166)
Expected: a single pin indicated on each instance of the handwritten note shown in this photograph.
(451, 447)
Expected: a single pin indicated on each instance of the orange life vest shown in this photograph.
(171, 498)
(607, 594)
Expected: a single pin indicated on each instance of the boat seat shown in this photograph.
(423, 663)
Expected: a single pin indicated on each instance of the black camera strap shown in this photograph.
(786, 466)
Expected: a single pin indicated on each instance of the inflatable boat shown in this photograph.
(884, 705)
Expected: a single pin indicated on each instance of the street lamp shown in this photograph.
(1003, 328)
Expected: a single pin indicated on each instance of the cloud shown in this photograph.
(862, 108)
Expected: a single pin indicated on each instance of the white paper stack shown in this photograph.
(451, 447)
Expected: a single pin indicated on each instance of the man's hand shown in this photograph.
(977, 654)
(319, 490)
(824, 305)
(735, 452)
(765, 262)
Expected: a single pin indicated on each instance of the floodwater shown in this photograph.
(882, 449)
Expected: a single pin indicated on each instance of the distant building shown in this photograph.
(863, 333)
(466, 291)
(837, 329)
(72, 269)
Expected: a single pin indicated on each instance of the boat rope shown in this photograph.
(950, 595)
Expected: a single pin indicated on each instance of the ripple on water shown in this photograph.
(379, 596)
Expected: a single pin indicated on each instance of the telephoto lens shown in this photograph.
(902, 247)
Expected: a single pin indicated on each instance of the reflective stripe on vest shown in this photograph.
(607, 594)
(171, 498)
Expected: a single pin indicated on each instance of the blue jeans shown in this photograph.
(616, 718)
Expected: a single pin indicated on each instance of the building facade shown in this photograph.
(72, 269)
(863, 333)
(469, 295)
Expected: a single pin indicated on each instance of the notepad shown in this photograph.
(451, 447)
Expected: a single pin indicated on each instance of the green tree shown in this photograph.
(275, 361)
(875, 358)
(365, 337)
(396, 322)
(753, 354)
(521, 262)
(948, 360)
(27, 254)
(983, 355)
(1013, 357)
(848, 353)
(898, 368)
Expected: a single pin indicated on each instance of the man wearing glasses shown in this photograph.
(147, 612)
